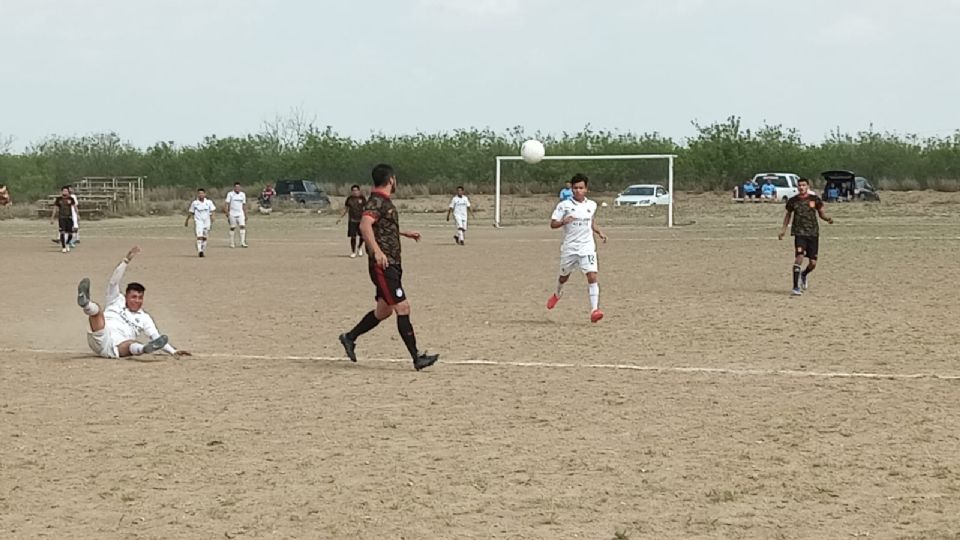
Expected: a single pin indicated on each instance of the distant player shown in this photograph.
(114, 329)
(459, 207)
(201, 210)
(236, 211)
(805, 208)
(353, 206)
(63, 208)
(566, 193)
(75, 214)
(577, 218)
(380, 227)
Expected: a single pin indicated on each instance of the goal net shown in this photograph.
(668, 158)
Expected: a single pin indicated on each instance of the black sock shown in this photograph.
(366, 324)
(63, 240)
(807, 270)
(353, 243)
(796, 276)
(406, 332)
(70, 238)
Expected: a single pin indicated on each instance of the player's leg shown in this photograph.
(233, 230)
(812, 252)
(90, 309)
(352, 233)
(567, 263)
(242, 224)
(135, 348)
(401, 306)
(800, 249)
(590, 267)
(371, 319)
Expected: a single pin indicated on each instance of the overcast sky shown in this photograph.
(179, 70)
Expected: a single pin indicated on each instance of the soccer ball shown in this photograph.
(532, 151)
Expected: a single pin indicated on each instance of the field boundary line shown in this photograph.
(567, 365)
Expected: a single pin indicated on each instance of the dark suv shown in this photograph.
(302, 192)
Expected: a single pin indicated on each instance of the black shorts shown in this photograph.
(388, 283)
(66, 224)
(808, 246)
(353, 229)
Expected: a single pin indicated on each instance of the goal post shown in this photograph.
(669, 157)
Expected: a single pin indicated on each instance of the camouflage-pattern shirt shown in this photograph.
(386, 226)
(354, 207)
(805, 215)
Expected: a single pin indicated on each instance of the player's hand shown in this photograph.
(830, 220)
(567, 220)
(180, 354)
(780, 235)
(413, 235)
(134, 251)
(381, 259)
(602, 237)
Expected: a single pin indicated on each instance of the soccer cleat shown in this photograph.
(232, 245)
(200, 254)
(360, 252)
(552, 301)
(83, 292)
(596, 315)
(349, 346)
(456, 240)
(797, 292)
(353, 255)
(155, 345)
(425, 360)
(244, 245)
(64, 250)
(804, 283)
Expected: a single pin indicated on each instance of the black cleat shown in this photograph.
(349, 347)
(425, 360)
(83, 292)
(155, 345)
(200, 254)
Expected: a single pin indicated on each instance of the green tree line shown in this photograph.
(720, 155)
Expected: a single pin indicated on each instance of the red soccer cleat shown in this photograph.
(596, 315)
(552, 301)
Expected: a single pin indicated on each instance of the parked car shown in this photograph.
(302, 192)
(847, 186)
(642, 195)
(786, 183)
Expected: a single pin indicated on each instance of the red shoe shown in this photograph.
(552, 301)
(596, 315)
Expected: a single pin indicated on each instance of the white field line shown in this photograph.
(564, 365)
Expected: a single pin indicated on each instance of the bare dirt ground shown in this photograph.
(708, 404)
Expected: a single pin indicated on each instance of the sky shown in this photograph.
(180, 70)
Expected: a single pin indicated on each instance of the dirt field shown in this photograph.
(708, 404)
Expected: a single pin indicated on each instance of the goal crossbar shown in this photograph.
(669, 157)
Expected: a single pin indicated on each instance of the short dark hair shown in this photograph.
(459, 187)
(579, 177)
(381, 174)
(134, 286)
(201, 189)
(353, 187)
(804, 180)
(64, 187)
(236, 183)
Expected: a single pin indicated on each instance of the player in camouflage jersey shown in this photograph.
(805, 209)
(380, 227)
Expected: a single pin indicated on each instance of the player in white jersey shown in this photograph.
(201, 210)
(459, 207)
(577, 218)
(115, 329)
(236, 211)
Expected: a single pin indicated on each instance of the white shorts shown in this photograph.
(460, 222)
(239, 220)
(587, 263)
(101, 343)
(202, 228)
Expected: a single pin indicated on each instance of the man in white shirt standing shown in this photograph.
(577, 218)
(459, 206)
(115, 329)
(236, 210)
(201, 210)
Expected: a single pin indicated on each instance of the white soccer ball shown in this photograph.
(532, 151)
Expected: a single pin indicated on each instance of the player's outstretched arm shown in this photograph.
(413, 235)
(113, 286)
(786, 221)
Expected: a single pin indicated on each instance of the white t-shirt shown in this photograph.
(236, 201)
(122, 323)
(460, 205)
(578, 234)
(201, 210)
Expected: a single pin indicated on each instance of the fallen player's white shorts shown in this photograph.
(203, 229)
(587, 263)
(461, 222)
(101, 343)
(239, 220)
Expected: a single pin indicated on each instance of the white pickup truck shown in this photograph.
(786, 183)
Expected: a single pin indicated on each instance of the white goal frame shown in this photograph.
(669, 157)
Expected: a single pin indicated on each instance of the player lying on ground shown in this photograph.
(380, 228)
(114, 330)
(804, 208)
(576, 217)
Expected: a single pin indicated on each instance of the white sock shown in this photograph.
(91, 309)
(243, 236)
(460, 234)
(203, 245)
(232, 234)
(199, 245)
(136, 348)
(594, 290)
(559, 289)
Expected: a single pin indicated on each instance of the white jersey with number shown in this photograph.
(202, 210)
(578, 234)
(236, 202)
(459, 206)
